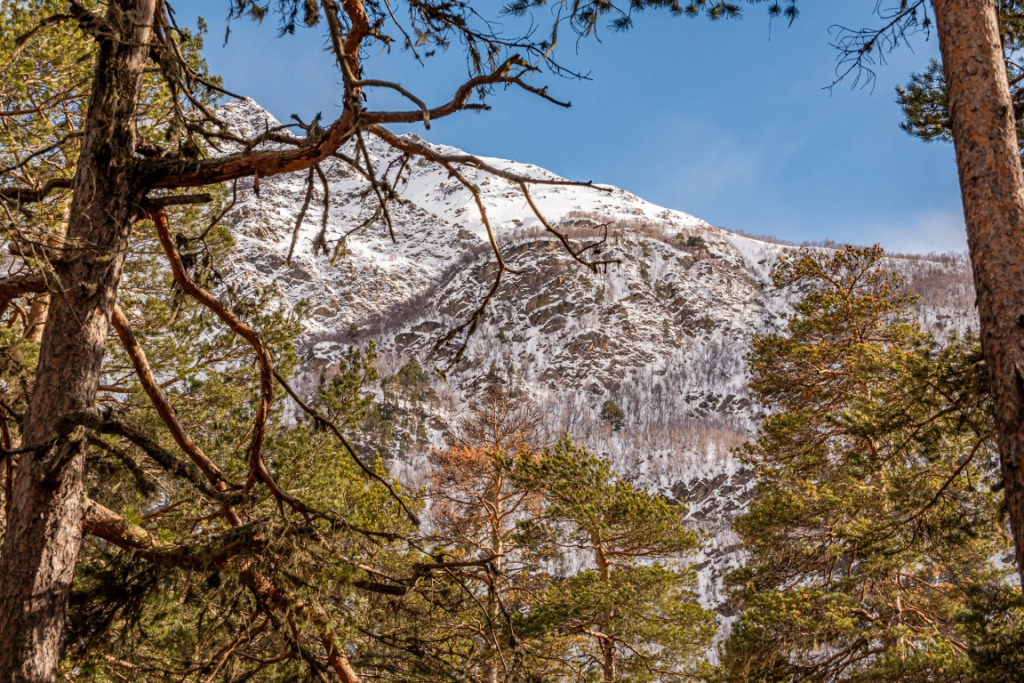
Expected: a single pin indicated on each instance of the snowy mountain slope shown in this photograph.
(661, 332)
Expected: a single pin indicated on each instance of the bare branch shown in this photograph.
(860, 48)
(575, 253)
(421, 150)
(18, 285)
(301, 216)
(28, 195)
(460, 100)
(178, 200)
(172, 173)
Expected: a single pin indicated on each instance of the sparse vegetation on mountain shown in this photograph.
(613, 415)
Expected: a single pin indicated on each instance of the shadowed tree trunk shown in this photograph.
(44, 526)
(982, 120)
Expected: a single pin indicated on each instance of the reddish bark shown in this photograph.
(163, 407)
(984, 133)
(45, 525)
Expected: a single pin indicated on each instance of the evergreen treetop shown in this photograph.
(874, 515)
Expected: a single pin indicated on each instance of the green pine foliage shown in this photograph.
(924, 100)
(342, 399)
(631, 614)
(875, 522)
(184, 608)
(613, 415)
(165, 621)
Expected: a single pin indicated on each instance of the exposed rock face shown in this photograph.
(662, 331)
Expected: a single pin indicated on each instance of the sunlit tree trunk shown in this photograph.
(982, 121)
(608, 664)
(44, 526)
(492, 657)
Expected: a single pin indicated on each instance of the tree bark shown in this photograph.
(44, 527)
(608, 663)
(41, 304)
(992, 187)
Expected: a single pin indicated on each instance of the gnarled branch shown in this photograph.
(257, 465)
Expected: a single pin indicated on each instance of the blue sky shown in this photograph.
(728, 121)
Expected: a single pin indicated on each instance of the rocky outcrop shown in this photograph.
(661, 329)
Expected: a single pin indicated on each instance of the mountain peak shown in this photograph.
(661, 328)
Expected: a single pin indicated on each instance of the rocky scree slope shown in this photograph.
(662, 332)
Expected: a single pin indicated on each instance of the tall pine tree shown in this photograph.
(875, 519)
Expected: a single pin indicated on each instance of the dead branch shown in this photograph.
(857, 49)
(178, 199)
(460, 100)
(577, 254)
(414, 148)
(321, 238)
(28, 195)
(301, 216)
(13, 287)
(175, 173)
(469, 326)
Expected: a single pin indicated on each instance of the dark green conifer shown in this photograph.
(613, 415)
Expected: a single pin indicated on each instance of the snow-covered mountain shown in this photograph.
(662, 331)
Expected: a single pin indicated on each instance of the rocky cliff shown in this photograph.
(661, 329)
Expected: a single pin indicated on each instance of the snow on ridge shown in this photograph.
(662, 332)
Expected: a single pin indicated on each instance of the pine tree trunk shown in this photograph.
(492, 659)
(608, 665)
(992, 186)
(44, 527)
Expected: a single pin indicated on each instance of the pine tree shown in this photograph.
(342, 399)
(613, 415)
(475, 505)
(573, 573)
(983, 113)
(984, 119)
(874, 517)
(134, 615)
(630, 612)
(112, 150)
